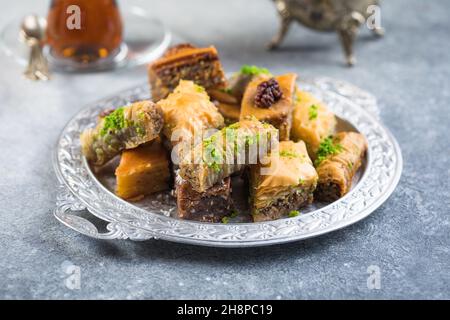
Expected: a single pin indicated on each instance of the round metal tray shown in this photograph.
(82, 191)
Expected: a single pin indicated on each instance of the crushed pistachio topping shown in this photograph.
(289, 154)
(234, 126)
(313, 112)
(250, 140)
(114, 121)
(326, 148)
(212, 155)
(293, 213)
(140, 131)
(199, 88)
(232, 215)
(253, 70)
(141, 116)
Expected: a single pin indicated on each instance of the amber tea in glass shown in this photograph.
(84, 30)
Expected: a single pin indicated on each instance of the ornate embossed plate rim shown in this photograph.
(128, 221)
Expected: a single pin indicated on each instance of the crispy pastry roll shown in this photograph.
(185, 62)
(338, 159)
(124, 128)
(288, 185)
(143, 171)
(226, 152)
(276, 110)
(209, 206)
(312, 121)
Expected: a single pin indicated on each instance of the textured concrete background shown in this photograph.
(408, 237)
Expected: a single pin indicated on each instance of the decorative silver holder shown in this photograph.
(345, 17)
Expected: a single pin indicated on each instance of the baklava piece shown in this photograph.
(271, 100)
(188, 113)
(185, 62)
(312, 122)
(228, 100)
(285, 184)
(338, 159)
(124, 128)
(230, 112)
(238, 83)
(240, 80)
(209, 206)
(226, 152)
(143, 171)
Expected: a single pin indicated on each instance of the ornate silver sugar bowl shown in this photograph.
(342, 16)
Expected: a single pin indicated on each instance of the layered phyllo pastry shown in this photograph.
(186, 62)
(230, 112)
(238, 83)
(312, 122)
(338, 159)
(228, 100)
(143, 171)
(284, 184)
(211, 205)
(271, 100)
(227, 104)
(124, 128)
(188, 111)
(241, 79)
(226, 152)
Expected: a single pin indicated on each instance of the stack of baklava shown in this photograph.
(201, 131)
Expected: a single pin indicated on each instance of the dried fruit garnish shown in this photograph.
(267, 93)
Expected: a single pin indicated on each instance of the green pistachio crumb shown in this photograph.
(289, 154)
(114, 121)
(253, 70)
(293, 213)
(225, 220)
(326, 148)
(313, 112)
(233, 126)
(215, 166)
(199, 88)
(140, 131)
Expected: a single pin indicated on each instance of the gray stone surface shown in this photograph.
(408, 237)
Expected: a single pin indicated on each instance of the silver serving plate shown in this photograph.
(83, 193)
